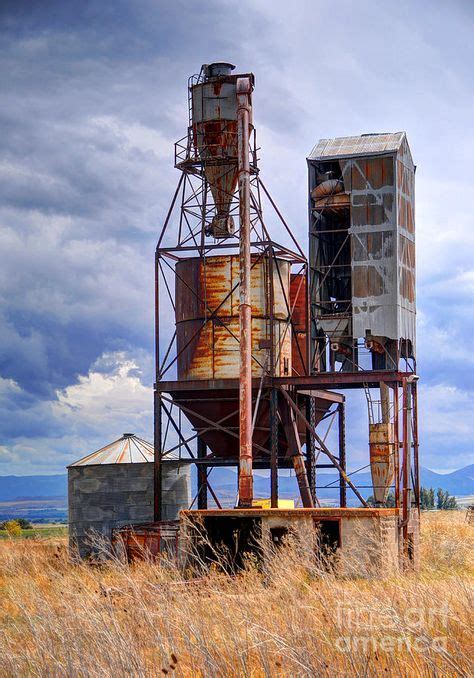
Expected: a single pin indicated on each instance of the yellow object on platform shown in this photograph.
(266, 503)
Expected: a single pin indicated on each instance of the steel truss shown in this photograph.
(295, 405)
(185, 233)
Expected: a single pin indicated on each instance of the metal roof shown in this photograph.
(129, 449)
(365, 144)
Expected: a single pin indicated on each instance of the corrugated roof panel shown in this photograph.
(129, 449)
(365, 144)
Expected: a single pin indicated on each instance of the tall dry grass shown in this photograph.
(292, 619)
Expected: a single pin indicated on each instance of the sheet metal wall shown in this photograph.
(382, 232)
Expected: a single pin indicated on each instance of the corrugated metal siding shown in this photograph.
(364, 145)
(113, 495)
(373, 246)
(298, 301)
(378, 173)
(406, 244)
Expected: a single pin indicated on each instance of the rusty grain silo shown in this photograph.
(214, 131)
(239, 299)
(209, 288)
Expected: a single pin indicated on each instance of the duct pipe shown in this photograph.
(385, 402)
(244, 89)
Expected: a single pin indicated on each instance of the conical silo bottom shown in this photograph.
(215, 417)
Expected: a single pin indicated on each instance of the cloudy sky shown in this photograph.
(93, 96)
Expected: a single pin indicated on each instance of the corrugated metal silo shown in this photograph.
(113, 487)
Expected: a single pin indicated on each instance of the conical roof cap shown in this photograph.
(128, 449)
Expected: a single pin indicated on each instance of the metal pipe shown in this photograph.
(157, 470)
(273, 392)
(274, 448)
(302, 480)
(310, 448)
(416, 446)
(342, 454)
(396, 444)
(157, 467)
(244, 89)
(385, 402)
(406, 499)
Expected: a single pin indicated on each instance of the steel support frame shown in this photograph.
(191, 241)
(311, 447)
(195, 213)
(410, 490)
(201, 475)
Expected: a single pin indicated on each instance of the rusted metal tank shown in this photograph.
(214, 127)
(381, 445)
(299, 308)
(207, 317)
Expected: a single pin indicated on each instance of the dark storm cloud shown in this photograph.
(93, 96)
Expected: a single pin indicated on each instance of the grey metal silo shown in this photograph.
(113, 487)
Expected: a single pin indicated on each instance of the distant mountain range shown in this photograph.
(223, 480)
(459, 483)
(16, 488)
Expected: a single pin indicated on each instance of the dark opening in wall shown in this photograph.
(229, 541)
(328, 536)
(278, 534)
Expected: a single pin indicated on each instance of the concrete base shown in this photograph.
(364, 541)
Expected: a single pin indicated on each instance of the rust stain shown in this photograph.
(209, 346)
(299, 352)
(381, 439)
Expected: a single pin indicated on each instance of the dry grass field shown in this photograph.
(293, 619)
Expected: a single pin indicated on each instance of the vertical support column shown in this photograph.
(157, 467)
(342, 454)
(244, 88)
(311, 448)
(415, 446)
(396, 444)
(157, 471)
(384, 402)
(274, 447)
(309, 359)
(201, 475)
(273, 392)
(406, 470)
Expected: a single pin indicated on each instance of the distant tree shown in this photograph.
(423, 498)
(444, 502)
(427, 499)
(12, 527)
(389, 502)
(24, 524)
(431, 498)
